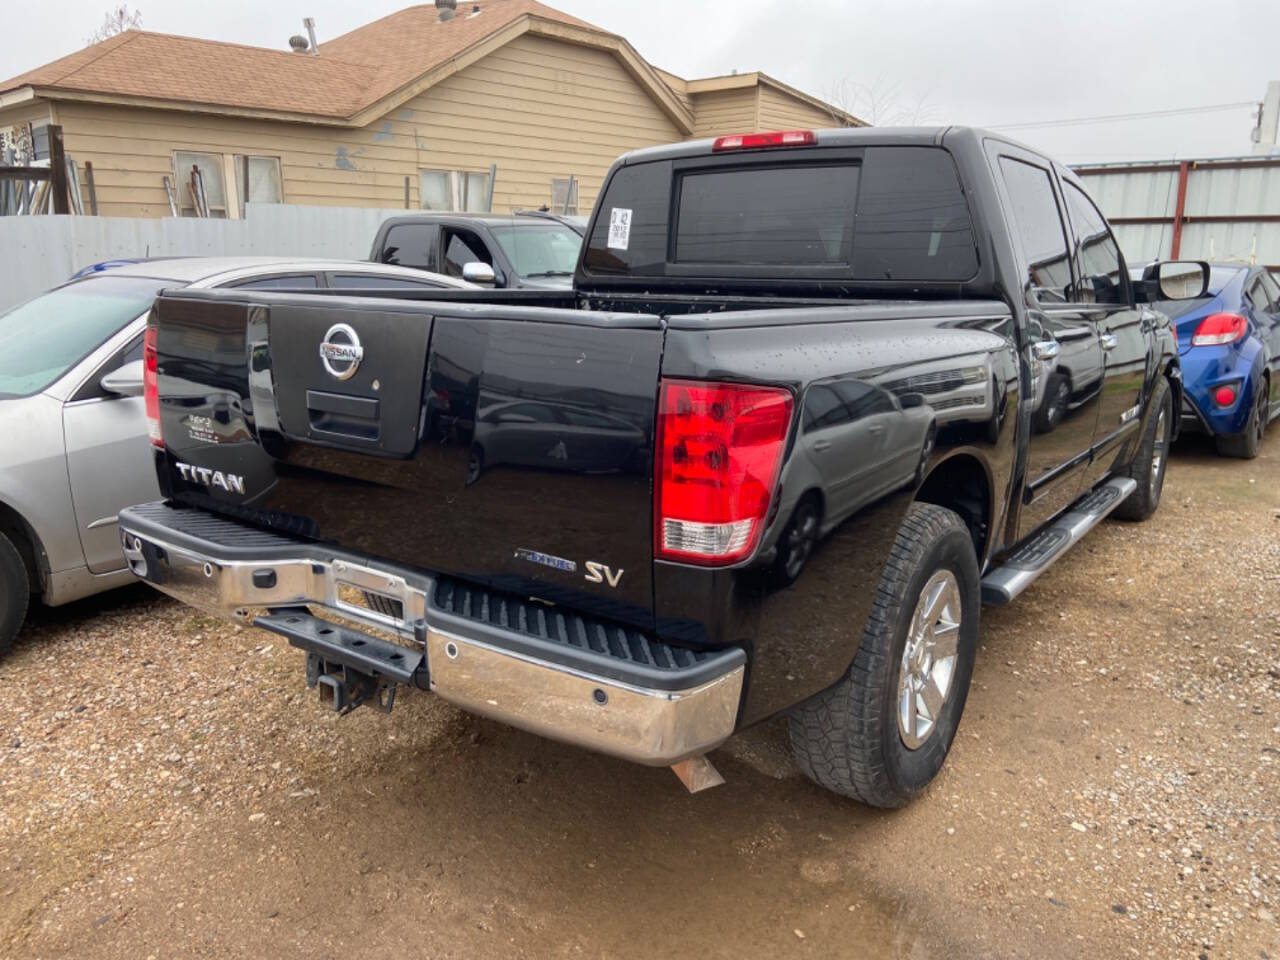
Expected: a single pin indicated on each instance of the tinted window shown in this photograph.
(375, 281)
(43, 338)
(643, 192)
(823, 408)
(1101, 278)
(767, 215)
(298, 281)
(1039, 226)
(408, 244)
(913, 223)
(899, 214)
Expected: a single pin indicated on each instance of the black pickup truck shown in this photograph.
(812, 400)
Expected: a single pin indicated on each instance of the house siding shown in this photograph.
(537, 107)
(724, 111)
(781, 111)
(34, 112)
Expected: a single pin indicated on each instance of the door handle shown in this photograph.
(875, 428)
(1109, 341)
(820, 445)
(1046, 349)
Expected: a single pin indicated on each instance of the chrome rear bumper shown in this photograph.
(592, 684)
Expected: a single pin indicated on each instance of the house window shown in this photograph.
(564, 195)
(210, 167)
(264, 180)
(457, 190)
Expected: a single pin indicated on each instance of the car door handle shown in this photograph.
(820, 445)
(875, 428)
(1046, 349)
(1109, 341)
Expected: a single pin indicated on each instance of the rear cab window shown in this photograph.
(875, 213)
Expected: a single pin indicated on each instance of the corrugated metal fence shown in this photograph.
(1217, 209)
(37, 253)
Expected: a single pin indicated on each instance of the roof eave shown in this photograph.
(189, 106)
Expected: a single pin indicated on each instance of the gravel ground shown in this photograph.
(170, 788)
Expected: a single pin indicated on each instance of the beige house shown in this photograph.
(417, 104)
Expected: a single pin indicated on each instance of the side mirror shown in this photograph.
(478, 272)
(1176, 280)
(911, 401)
(125, 381)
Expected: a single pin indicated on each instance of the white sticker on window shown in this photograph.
(619, 228)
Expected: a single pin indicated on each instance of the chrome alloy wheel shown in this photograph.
(929, 659)
(1158, 453)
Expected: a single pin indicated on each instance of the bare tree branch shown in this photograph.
(117, 20)
(880, 104)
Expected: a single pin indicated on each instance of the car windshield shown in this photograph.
(42, 339)
(540, 249)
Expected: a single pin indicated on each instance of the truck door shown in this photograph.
(1124, 330)
(1065, 347)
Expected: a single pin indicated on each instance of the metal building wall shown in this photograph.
(1221, 209)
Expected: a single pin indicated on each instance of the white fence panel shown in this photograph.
(37, 253)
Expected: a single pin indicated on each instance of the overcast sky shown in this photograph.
(986, 62)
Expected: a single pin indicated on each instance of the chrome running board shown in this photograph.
(1038, 554)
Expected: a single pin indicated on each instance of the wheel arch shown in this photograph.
(962, 482)
(14, 526)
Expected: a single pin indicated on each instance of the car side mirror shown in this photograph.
(478, 272)
(125, 381)
(1175, 280)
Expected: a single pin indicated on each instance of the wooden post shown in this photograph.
(58, 170)
(93, 192)
(1179, 213)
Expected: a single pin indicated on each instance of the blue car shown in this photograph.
(1229, 348)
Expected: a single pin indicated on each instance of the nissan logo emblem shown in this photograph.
(340, 352)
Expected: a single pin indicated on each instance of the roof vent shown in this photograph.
(475, 12)
(446, 9)
(299, 44)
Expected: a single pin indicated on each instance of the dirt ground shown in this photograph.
(169, 788)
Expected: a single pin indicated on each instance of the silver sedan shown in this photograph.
(73, 435)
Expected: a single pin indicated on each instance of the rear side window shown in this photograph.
(294, 281)
(894, 213)
(1039, 226)
(408, 244)
(376, 281)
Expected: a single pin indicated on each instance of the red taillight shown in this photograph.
(1224, 396)
(779, 138)
(1220, 328)
(719, 450)
(151, 387)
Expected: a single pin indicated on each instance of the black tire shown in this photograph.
(797, 541)
(1057, 395)
(1246, 445)
(848, 738)
(15, 592)
(1151, 460)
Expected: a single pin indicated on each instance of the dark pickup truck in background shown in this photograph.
(769, 455)
(533, 249)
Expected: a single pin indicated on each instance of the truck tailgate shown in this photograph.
(509, 445)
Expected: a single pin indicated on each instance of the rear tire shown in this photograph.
(15, 592)
(1246, 445)
(853, 738)
(1149, 464)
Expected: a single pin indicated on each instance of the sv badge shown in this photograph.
(599, 573)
